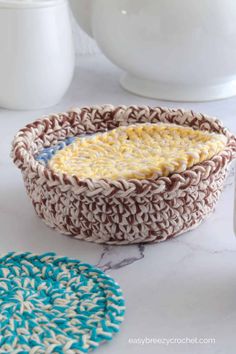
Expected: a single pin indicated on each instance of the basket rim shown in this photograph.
(24, 159)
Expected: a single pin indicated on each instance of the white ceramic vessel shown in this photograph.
(37, 53)
(169, 49)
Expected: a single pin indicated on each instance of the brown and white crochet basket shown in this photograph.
(119, 211)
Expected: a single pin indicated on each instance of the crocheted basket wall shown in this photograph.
(119, 211)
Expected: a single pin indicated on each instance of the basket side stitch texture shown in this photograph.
(122, 211)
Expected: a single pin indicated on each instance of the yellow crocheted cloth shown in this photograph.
(137, 151)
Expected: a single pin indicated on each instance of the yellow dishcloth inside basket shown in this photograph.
(137, 151)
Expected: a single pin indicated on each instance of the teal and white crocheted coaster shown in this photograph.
(55, 305)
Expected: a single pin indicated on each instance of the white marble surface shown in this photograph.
(181, 288)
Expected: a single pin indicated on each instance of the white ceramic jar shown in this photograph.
(36, 53)
(169, 49)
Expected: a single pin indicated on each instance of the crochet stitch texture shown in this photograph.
(125, 210)
(55, 305)
(138, 151)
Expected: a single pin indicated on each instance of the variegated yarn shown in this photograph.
(120, 211)
(138, 151)
(46, 154)
(55, 305)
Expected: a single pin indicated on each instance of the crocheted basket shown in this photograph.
(119, 211)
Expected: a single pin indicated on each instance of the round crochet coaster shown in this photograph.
(138, 151)
(55, 305)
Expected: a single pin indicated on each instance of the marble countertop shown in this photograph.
(183, 289)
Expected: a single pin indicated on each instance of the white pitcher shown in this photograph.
(36, 53)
